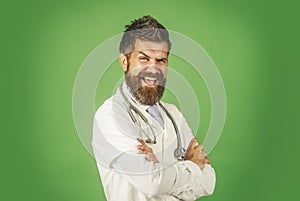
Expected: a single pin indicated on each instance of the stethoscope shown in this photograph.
(179, 152)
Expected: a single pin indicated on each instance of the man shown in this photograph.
(135, 135)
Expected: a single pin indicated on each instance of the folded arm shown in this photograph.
(118, 152)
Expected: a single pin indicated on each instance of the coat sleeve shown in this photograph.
(117, 151)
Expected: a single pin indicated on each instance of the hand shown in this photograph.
(195, 154)
(144, 149)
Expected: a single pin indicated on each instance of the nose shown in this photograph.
(153, 68)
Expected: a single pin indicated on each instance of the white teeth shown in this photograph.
(150, 78)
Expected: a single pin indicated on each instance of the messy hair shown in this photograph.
(145, 28)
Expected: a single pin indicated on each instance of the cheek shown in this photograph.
(164, 71)
(136, 70)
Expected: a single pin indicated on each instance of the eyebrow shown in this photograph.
(140, 52)
(161, 59)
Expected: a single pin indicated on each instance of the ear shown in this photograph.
(123, 61)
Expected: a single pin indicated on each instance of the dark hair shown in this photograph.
(145, 28)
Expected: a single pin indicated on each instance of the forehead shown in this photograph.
(151, 47)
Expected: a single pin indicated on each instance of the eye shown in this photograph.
(144, 59)
(162, 61)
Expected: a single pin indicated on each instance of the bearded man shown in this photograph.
(144, 148)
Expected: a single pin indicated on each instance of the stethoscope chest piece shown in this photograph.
(179, 153)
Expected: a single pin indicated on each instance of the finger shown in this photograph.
(201, 157)
(144, 149)
(140, 147)
(199, 147)
(141, 141)
(144, 152)
(202, 152)
(192, 144)
(149, 150)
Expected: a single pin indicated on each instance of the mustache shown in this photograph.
(146, 95)
(158, 76)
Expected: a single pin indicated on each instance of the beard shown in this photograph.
(146, 95)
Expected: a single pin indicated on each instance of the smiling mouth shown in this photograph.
(150, 81)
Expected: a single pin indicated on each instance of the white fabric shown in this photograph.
(128, 176)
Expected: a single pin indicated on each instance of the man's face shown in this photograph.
(146, 71)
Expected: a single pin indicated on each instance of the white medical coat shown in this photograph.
(128, 176)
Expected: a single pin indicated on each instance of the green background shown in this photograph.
(255, 45)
